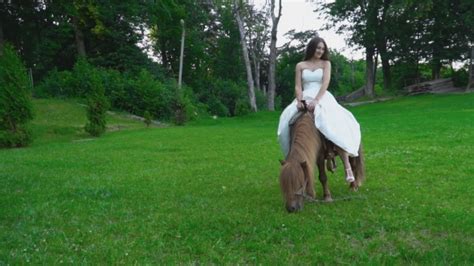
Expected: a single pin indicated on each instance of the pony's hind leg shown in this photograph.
(323, 178)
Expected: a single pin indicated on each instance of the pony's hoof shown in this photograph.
(353, 186)
(328, 199)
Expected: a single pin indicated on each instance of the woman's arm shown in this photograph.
(298, 90)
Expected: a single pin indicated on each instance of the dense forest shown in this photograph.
(231, 65)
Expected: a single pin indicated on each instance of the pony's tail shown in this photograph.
(358, 166)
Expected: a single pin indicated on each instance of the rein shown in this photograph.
(301, 193)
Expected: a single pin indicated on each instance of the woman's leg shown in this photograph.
(347, 165)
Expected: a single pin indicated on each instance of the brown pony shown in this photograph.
(309, 148)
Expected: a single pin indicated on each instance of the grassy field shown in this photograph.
(208, 192)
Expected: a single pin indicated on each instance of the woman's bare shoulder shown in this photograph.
(301, 65)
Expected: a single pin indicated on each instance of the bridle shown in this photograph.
(302, 191)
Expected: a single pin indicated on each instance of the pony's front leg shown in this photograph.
(323, 178)
(310, 186)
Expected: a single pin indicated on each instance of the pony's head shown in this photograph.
(293, 181)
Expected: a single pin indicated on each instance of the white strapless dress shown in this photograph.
(334, 121)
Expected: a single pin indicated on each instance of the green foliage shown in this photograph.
(86, 78)
(460, 78)
(179, 107)
(242, 107)
(261, 100)
(222, 96)
(216, 107)
(346, 76)
(147, 93)
(15, 100)
(57, 84)
(97, 105)
(147, 117)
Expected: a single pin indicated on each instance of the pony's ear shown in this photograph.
(304, 164)
(282, 162)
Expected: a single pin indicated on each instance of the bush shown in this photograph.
(83, 74)
(183, 106)
(222, 95)
(115, 85)
(216, 107)
(147, 117)
(147, 93)
(97, 105)
(56, 84)
(15, 100)
(242, 107)
(261, 100)
(460, 78)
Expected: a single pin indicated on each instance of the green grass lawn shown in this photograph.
(208, 192)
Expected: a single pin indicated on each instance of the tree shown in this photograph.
(361, 20)
(470, 83)
(273, 54)
(97, 105)
(15, 100)
(257, 39)
(250, 81)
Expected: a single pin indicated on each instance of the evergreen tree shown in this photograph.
(97, 103)
(147, 117)
(15, 100)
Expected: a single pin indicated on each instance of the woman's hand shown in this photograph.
(299, 105)
(312, 105)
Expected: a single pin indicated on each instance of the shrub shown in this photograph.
(15, 100)
(460, 78)
(261, 100)
(147, 117)
(222, 95)
(115, 84)
(83, 74)
(242, 107)
(216, 107)
(147, 93)
(56, 84)
(97, 105)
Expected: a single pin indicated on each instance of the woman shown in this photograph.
(337, 124)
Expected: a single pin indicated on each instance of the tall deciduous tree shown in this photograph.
(257, 39)
(273, 54)
(245, 53)
(360, 18)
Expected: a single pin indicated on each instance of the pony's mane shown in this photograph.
(305, 139)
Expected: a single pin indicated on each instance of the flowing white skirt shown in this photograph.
(334, 121)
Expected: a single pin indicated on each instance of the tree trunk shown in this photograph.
(435, 68)
(382, 46)
(256, 68)
(164, 56)
(251, 90)
(81, 47)
(369, 72)
(376, 63)
(387, 78)
(470, 83)
(273, 54)
(1, 37)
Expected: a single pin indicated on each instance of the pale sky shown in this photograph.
(299, 15)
